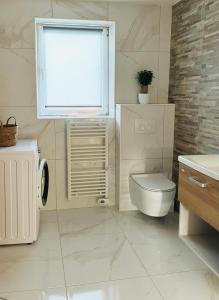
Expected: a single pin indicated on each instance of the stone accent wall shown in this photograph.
(194, 77)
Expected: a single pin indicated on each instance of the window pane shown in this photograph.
(73, 67)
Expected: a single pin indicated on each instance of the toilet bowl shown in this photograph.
(152, 194)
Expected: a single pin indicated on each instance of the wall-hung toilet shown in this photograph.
(152, 194)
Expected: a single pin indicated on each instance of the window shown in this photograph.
(75, 68)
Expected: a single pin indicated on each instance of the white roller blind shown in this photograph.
(74, 67)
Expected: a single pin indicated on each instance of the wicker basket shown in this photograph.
(8, 133)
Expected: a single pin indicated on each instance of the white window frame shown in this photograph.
(107, 108)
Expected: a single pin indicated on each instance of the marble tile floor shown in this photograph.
(101, 254)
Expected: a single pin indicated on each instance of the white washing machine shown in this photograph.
(24, 184)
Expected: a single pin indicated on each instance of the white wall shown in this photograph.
(142, 41)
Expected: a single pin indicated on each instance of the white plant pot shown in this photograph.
(144, 98)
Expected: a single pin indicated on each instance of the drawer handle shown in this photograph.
(197, 182)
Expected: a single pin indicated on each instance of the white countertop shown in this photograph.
(206, 164)
(21, 146)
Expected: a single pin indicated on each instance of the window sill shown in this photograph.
(62, 117)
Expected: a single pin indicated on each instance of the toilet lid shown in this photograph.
(154, 182)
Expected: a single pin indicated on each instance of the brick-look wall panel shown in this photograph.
(194, 77)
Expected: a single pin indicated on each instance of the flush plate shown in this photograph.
(143, 126)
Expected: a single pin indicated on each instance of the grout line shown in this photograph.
(51, 6)
(156, 287)
(104, 281)
(158, 65)
(164, 116)
(54, 124)
(148, 275)
(131, 245)
(60, 243)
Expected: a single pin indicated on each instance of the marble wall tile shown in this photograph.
(61, 184)
(17, 21)
(165, 27)
(168, 167)
(128, 167)
(17, 77)
(46, 140)
(31, 128)
(112, 158)
(75, 9)
(60, 133)
(163, 82)
(137, 42)
(169, 118)
(127, 66)
(138, 143)
(137, 26)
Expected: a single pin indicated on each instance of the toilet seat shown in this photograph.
(154, 182)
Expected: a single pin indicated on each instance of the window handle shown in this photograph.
(196, 181)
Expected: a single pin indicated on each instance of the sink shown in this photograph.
(206, 164)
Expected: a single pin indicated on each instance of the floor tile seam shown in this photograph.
(105, 281)
(157, 288)
(63, 267)
(152, 277)
(139, 259)
(130, 244)
(178, 272)
(91, 235)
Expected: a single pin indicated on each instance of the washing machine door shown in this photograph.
(43, 183)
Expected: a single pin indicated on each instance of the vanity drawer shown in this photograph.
(200, 194)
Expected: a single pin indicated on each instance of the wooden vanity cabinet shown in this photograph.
(200, 194)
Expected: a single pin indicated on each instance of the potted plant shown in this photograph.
(144, 79)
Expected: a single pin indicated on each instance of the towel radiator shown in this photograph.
(87, 147)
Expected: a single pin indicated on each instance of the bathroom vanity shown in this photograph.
(199, 206)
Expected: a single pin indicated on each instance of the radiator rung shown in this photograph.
(88, 161)
(89, 189)
(85, 137)
(89, 172)
(87, 177)
(89, 186)
(88, 195)
(85, 147)
(82, 151)
(94, 155)
(97, 128)
(88, 183)
(88, 133)
(88, 126)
